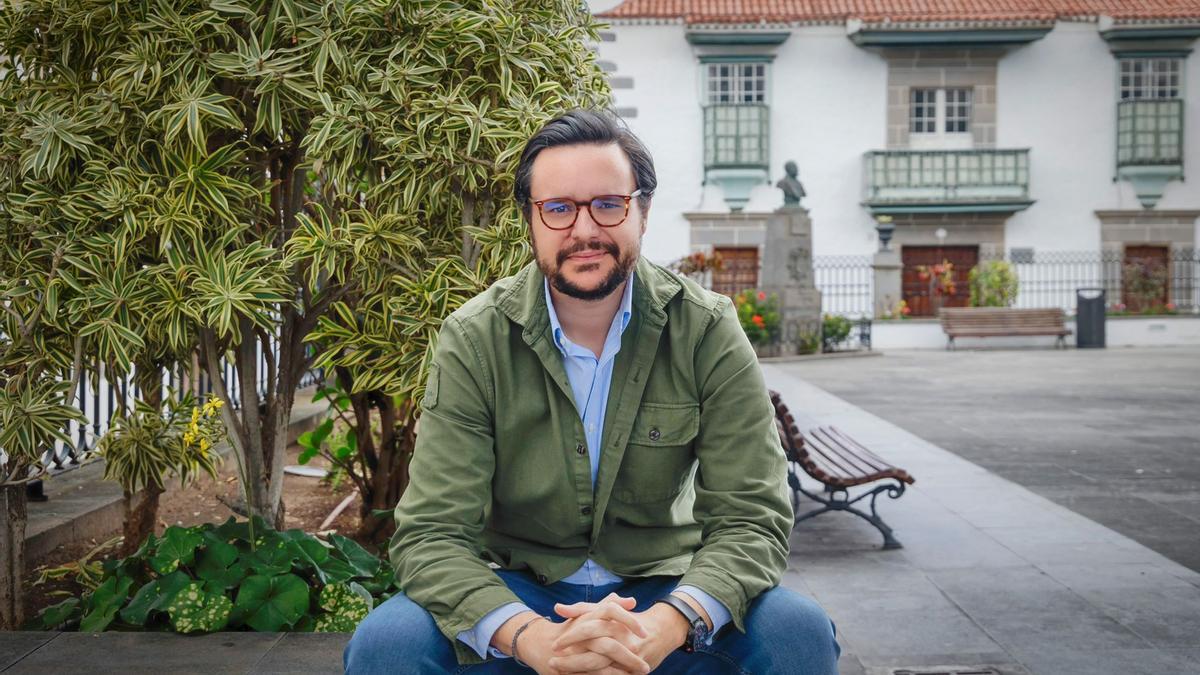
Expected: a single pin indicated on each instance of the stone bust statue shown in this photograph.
(793, 190)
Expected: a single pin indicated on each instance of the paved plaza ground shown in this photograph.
(993, 577)
(1113, 434)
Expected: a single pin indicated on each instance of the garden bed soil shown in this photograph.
(307, 502)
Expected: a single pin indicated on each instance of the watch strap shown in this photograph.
(697, 627)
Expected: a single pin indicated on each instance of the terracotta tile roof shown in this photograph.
(871, 11)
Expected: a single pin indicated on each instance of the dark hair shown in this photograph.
(586, 127)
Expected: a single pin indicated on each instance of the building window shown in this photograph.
(936, 111)
(922, 111)
(1150, 112)
(958, 110)
(1150, 78)
(737, 83)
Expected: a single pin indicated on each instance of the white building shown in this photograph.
(1041, 131)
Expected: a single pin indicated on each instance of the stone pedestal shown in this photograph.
(788, 273)
(888, 291)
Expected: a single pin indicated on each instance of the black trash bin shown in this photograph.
(1089, 318)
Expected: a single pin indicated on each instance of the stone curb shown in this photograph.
(819, 357)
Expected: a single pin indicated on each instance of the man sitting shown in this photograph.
(597, 448)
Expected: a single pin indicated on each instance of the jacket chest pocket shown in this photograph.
(658, 460)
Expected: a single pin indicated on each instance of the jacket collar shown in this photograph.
(525, 300)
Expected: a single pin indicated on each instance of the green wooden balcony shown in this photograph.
(946, 181)
(1150, 132)
(1150, 145)
(736, 149)
(736, 136)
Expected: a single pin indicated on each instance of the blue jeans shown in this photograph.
(785, 633)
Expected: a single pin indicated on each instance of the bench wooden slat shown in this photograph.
(1002, 321)
(829, 455)
(854, 467)
(851, 447)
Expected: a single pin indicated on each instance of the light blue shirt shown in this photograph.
(590, 379)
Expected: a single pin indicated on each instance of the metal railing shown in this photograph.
(934, 176)
(1045, 279)
(1149, 132)
(100, 398)
(846, 283)
(736, 136)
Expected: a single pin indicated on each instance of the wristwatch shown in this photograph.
(697, 628)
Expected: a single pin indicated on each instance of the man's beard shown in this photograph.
(610, 283)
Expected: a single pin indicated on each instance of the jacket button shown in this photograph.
(581, 448)
(655, 434)
(587, 510)
(542, 579)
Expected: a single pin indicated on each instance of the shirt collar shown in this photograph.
(623, 314)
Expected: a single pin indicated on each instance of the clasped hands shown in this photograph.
(604, 638)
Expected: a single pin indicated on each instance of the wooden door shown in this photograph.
(1145, 276)
(739, 270)
(917, 290)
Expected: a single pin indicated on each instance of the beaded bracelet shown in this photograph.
(513, 648)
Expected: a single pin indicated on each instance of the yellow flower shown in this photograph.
(204, 445)
(213, 405)
(188, 438)
(195, 415)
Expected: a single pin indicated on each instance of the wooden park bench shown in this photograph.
(1003, 321)
(839, 463)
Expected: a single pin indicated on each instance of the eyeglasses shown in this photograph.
(560, 213)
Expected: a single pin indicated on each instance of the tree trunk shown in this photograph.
(12, 556)
(387, 485)
(141, 514)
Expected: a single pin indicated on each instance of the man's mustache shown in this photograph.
(593, 245)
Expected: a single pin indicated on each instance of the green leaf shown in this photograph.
(55, 616)
(215, 565)
(272, 603)
(177, 547)
(193, 610)
(154, 595)
(104, 603)
(359, 558)
(311, 554)
(272, 555)
(345, 608)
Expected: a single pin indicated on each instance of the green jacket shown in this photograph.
(691, 479)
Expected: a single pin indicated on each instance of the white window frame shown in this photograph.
(1150, 77)
(748, 83)
(948, 105)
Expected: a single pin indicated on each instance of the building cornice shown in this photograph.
(1115, 214)
(723, 38)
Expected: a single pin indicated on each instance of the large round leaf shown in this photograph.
(270, 604)
(177, 547)
(359, 558)
(194, 611)
(217, 565)
(103, 604)
(154, 595)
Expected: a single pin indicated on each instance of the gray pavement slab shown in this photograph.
(305, 653)
(992, 574)
(15, 646)
(147, 653)
(1112, 434)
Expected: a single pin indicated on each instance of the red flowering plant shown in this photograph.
(698, 263)
(759, 315)
(940, 278)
